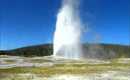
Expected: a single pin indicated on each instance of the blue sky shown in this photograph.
(32, 22)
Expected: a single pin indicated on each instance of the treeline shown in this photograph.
(119, 50)
(39, 50)
(47, 49)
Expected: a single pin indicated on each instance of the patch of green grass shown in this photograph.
(68, 68)
(39, 60)
(10, 61)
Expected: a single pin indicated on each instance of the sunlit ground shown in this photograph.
(49, 68)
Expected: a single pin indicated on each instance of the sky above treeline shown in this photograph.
(32, 22)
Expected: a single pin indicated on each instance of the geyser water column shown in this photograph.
(67, 35)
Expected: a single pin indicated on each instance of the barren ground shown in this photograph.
(49, 68)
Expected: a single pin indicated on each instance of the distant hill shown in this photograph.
(46, 50)
(37, 50)
(106, 51)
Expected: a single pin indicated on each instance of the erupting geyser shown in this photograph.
(67, 35)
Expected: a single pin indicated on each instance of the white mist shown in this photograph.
(67, 35)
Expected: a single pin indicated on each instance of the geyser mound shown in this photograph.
(67, 35)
